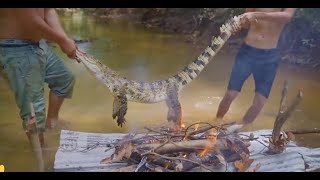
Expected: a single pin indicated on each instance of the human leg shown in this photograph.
(61, 82)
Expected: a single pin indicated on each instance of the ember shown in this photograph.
(183, 126)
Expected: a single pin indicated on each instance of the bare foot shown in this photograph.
(57, 124)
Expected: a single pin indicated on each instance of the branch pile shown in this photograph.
(205, 148)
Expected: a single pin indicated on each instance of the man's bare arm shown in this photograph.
(281, 17)
(66, 44)
(52, 19)
(38, 23)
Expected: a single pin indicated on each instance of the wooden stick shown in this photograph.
(182, 159)
(282, 117)
(302, 131)
(172, 165)
(168, 164)
(163, 133)
(35, 142)
(283, 97)
(297, 131)
(204, 129)
(185, 146)
(279, 122)
(201, 130)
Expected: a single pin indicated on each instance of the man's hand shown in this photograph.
(69, 47)
(248, 18)
(245, 20)
(236, 27)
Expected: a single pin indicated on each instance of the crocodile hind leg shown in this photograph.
(120, 108)
(174, 107)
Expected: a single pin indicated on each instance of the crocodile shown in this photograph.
(124, 89)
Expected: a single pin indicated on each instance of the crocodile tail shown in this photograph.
(192, 70)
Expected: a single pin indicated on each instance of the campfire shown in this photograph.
(197, 147)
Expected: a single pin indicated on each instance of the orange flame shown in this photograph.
(211, 142)
(154, 141)
(205, 151)
(183, 126)
(196, 127)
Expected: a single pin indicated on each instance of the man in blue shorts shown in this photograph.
(258, 56)
(28, 63)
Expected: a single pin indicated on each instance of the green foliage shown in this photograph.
(311, 16)
(218, 15)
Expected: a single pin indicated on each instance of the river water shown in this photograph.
(144, 54)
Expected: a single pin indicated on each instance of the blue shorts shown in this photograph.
(261, 63)
(28, 66)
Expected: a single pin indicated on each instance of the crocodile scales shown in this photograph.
(166, 90)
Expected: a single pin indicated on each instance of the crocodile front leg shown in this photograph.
(120, 108)
(174, 107)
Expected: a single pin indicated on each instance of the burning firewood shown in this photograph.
(161, 150)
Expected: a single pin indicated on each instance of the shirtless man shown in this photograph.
(28, 62)
(259, 56)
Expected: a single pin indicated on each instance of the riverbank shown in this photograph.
(299, 44)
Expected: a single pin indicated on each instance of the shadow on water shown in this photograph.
(144, 54)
